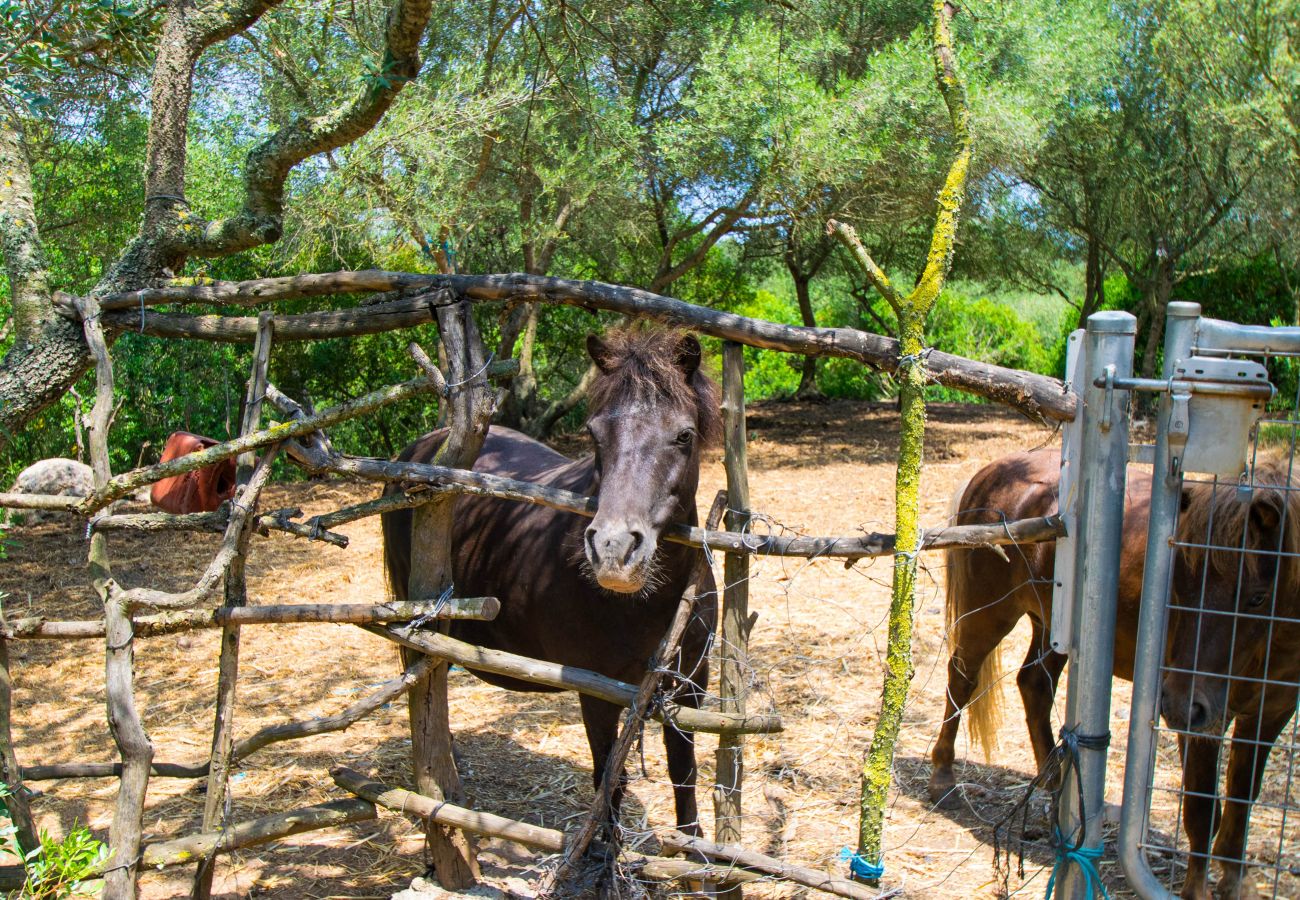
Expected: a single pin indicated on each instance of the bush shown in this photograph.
(986, 330)
(55, 869)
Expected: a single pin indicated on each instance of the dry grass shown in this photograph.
(816, 649)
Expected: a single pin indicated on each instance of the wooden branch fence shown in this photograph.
(140, 612)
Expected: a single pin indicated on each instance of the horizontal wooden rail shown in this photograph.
(754, 867)
(271, 734)
(193, 847)
(1038, 396)
(569, 678)
(55, 502)
(480, 608)
(216, 521)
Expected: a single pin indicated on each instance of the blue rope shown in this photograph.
(1086, 858)
(861, 867)
(1063, 758)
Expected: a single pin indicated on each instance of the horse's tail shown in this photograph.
(396, 528)
(984, 711)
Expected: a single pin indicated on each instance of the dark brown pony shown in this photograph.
(597, 594)
(1214, 664)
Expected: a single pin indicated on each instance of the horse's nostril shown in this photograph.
(638, 538)
(591, 545)
(1198, 716)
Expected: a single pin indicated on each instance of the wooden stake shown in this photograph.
(20, 813)
(119, 655)
(734, 643)
(570, 678)
(215, 807)
(734, 862)
(452, 852)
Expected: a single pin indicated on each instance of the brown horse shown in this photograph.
(598, 595)
(1213, 671)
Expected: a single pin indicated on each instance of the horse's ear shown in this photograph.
(688, 354)
(599, 353)
(1266, 512)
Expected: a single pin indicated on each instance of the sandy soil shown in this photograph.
(817, 650)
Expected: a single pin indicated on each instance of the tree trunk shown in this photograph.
(1158, 294)
(807, 389)
(1094, 287)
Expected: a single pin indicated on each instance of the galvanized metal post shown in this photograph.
(1104, 462)
(1166, 489)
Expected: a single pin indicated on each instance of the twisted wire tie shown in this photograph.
(450, 387)
(912, 359)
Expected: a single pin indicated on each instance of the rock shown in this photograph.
(427, 889)
(63, 477)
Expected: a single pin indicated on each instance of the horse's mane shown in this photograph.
(644, 359)
(1214, 515)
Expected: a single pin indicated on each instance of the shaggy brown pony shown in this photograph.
(1233, 651)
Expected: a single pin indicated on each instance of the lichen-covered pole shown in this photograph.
(911, 310)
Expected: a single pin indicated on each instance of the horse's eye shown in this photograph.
(685, 438)
(1257, 599)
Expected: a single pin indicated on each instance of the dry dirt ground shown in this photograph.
(816, 649)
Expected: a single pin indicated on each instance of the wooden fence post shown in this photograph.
(236, 594)
(20, 814)
(734, 645)
(452, 852)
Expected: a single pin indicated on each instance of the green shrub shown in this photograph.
(986, 330)
(55, 869)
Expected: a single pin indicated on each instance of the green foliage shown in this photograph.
(769, 373)
(41, 42)
(57, 868)
(983, 329)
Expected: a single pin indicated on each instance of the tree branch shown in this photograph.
(876, 275)
(261, 219)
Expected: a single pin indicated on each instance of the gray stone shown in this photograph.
(63, 477)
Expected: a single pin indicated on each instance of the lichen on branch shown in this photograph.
(912, 310)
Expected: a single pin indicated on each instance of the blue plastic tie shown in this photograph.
(861, 867)
(1086, 858)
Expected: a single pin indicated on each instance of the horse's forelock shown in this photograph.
(644, 360)
(1215, 515)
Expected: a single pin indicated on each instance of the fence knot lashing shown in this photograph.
(1086, 858)
(862, 868)
(912, 359)
(1054, 776)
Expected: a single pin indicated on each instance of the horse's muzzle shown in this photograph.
(1197, 711)
(620, 557)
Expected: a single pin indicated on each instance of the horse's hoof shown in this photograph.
(1195, 889)
(943, 790)
(1237, 889)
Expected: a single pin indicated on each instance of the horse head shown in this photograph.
(1235, 572)
(652, 411)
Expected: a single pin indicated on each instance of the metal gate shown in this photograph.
(1217, 668)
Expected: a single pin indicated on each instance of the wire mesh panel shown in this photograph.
(1212, 804)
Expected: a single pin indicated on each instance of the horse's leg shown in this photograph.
(680, 749)
(1200, 809)
(1037, 681)
(601, 721)
(679, 746)
(972, 645)
(1252, 740)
